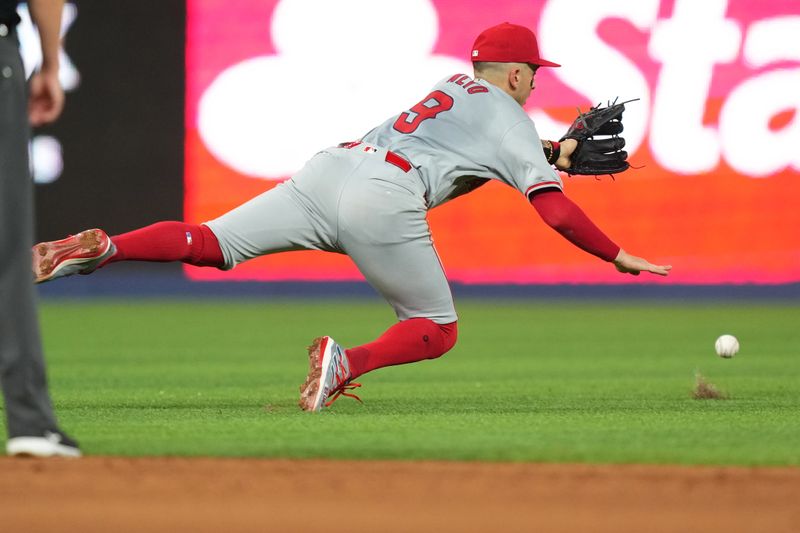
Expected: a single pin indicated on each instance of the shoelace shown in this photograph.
(340, 391)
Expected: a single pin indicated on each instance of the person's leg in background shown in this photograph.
(32, 427)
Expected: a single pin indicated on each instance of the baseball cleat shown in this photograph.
(328, 375)
(77, 254)
(50, 444)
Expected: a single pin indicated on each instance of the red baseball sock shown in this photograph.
(195, 244)
(405, 342)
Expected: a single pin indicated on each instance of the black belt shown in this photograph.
(391, 157)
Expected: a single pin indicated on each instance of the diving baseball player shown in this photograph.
(369, 198)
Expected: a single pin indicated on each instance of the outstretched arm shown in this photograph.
(564, 216)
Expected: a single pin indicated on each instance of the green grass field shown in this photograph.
(604, 382)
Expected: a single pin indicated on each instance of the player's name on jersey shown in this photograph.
(470, 85)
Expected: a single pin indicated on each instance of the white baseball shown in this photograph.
(727, 346)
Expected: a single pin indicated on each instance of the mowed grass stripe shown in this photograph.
(606, 382)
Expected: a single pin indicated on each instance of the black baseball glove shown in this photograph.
(596, 156)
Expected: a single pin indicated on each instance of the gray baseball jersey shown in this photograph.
(464, 133)
(369, 199)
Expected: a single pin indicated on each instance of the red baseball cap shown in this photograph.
(508, 43)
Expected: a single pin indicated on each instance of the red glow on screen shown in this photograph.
(714, 137)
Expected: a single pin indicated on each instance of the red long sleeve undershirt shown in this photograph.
(564, 216)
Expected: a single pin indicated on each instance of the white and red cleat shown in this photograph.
(328, 377)
(77, 254)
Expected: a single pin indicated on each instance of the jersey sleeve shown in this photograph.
(522, 161)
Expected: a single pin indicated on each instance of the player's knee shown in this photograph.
(448, 333)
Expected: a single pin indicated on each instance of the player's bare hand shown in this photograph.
(46, 98)
(630, 264)
(567, 146)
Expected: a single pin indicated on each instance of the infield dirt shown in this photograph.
(104, 494)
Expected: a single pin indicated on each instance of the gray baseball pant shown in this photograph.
(22, 369)
(349, 201)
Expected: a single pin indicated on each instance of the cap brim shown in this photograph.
(546, 63)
